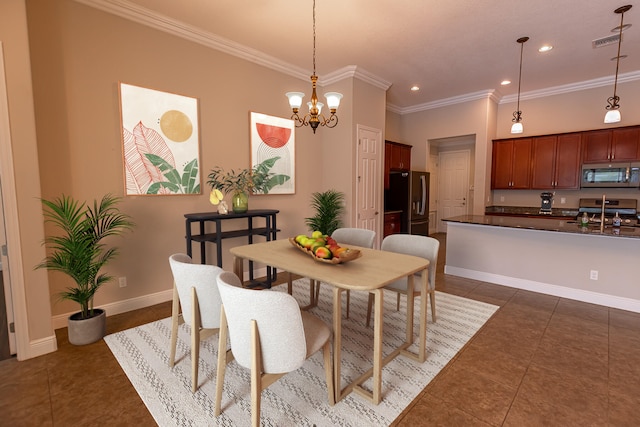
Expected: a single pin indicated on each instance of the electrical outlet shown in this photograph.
(122, 281)
(594, 275)
(563, 200)
(502, 198)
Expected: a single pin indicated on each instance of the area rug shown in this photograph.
(298, 398)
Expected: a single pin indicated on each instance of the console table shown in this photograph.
(269, 231)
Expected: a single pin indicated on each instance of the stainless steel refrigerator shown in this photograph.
(409, 193)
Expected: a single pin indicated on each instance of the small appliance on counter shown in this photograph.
(546, 202)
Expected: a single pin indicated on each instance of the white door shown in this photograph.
(369, 179)
(453, 185)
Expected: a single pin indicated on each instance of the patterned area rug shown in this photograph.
(298, 398)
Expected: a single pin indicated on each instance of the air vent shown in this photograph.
(605, 41)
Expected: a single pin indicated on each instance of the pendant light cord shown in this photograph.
(520, 74)
(314, 37)
(615, 83)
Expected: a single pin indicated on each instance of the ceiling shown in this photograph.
(449, 49)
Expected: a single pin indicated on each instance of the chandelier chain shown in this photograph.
(314, 37)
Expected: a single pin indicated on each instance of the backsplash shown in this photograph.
(571, 198)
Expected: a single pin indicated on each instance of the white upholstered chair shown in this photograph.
(269, 335)
(195, 290)
(346, 237)
(410, 244)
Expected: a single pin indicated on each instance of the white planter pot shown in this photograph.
(87, 331)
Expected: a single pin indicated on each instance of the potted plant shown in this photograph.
(79, 252)
(241, 183)
(329, 206)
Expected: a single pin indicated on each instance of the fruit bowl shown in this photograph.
(346, 256)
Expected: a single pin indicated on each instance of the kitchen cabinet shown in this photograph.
(391, 223)
(511, 164)
(397, 157)
(612, 145)
(555, 161)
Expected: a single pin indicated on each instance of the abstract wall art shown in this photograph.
(160, 141)
(273, 146)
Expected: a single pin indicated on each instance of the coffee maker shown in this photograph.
(546, 202)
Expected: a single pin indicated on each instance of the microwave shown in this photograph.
(610, 175)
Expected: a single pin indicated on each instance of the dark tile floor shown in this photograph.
(540, 360)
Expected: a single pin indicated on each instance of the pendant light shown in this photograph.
(517, 115)
(314, 118)
(613, 109)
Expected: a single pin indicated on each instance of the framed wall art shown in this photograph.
(160, 142)
(273, 146)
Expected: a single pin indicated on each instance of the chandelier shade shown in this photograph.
(314, 118)
(613, 102)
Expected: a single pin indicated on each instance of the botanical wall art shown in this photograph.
(273, 145)
(160, 142)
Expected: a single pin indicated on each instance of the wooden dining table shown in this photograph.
(371, 272)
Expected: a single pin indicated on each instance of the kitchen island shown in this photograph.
(551, 256)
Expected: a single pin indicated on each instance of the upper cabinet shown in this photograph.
(555, 162)
(612, 145)
(511, 166)
(397, 157)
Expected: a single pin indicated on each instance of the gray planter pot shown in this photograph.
(86, 331)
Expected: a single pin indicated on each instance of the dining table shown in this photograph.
(370, 272)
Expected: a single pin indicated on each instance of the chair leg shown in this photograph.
(256, 375)
(289, 284)
(222, 359)
(369, 307)
(175, 315)
(398, 302)
(328, 370)
(317, 289)
(348, 302)
(195, 340)
(432, 298)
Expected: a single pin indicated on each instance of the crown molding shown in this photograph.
(572, 87)
(353, 71)
(483, 94)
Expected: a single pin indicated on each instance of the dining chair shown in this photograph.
(269, 335)
(195, 291)
(411, 244)
(346, 236)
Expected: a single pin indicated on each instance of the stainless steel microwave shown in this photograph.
(611, 175)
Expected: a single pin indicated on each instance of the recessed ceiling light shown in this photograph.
(545, 48)
(415, 88)
(505, 82)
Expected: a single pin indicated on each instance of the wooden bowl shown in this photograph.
(346, 256)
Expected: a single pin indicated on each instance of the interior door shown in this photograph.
(453, 185)
(369, 179)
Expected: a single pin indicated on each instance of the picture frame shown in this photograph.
(160, 142)
(274, 138)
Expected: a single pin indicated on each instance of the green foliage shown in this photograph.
(176, 183)
(258, 180)
(78, 251)
(329, 206)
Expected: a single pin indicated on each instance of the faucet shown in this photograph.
(604, 202)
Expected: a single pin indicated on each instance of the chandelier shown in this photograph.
(314, 118)
(517, 115)
(613, 109)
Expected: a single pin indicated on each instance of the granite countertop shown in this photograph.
(530, 211)
(545, 224)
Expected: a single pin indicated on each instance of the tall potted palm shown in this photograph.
(329, 207)
(80, 253)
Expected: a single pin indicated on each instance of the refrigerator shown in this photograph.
(409, 193)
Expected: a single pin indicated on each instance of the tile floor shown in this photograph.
(540, 360)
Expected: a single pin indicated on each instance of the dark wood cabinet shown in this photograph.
(612, 145)
(397, 157)
(511, 165)
(555, 161)
(391, 223)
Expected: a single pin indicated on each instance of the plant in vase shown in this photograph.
(80, 253)
(240, 183)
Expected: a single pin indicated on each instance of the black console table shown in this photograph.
(268, 231)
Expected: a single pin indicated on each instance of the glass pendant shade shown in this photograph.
(295, 99)
(333, 100)
(612, 116)
(516, 128)
(319, 106)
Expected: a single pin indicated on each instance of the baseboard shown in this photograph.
(560, 291)
(40, 347)
(60, 320)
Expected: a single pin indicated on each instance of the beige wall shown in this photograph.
(79, 56)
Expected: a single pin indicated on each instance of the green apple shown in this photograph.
(316, 234)
(299, 238)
